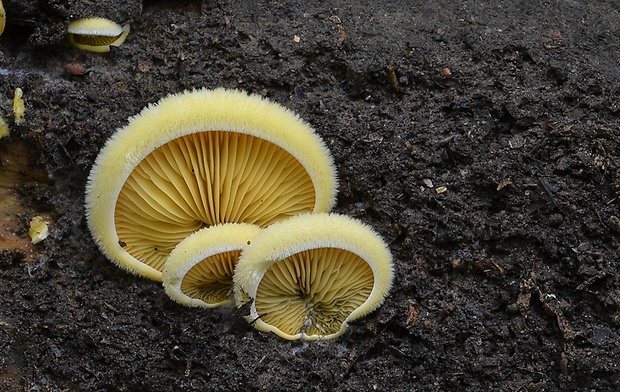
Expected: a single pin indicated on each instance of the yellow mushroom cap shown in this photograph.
(95, 26)
(310, 275)
(96, 34)
(199, 270)
(197, 159)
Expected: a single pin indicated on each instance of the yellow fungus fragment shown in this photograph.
(4, 128)
(18, 107)
(38, 229)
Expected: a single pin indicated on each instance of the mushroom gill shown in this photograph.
(96, 34)
(205, 179)
(198, 159)
(314, 291)
(210, 281)
(199, 270)
(310, 275)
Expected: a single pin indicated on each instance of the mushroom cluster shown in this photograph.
(225, 198)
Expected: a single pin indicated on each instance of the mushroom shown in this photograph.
(310, 275)
(96, 34)
(2, 17)
(199, 270)
(198, 159)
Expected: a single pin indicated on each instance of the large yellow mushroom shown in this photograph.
(198, 159)
(309, 276)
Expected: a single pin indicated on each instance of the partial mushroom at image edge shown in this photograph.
(198, 159)
(2, 18)
(307, 277)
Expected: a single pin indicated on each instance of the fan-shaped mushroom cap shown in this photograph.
(198, 159)
(96, 34)
(310, 275)
(199, 270)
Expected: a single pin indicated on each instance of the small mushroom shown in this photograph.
(96, 34)
(310, 275)
(2, 17)
(199, 270)
(198, 159)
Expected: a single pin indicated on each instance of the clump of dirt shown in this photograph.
(480, 140)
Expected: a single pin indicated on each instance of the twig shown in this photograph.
(546, 188)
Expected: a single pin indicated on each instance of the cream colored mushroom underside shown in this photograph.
(313, 291)
(204, 179)
(211, 279)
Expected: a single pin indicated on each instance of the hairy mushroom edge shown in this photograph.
(197, 159)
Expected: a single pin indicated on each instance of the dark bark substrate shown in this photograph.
(507, 281)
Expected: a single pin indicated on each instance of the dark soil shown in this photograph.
(496, 185)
